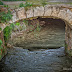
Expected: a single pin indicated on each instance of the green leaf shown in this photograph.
(1, 3)
(0, 29)
(1, 47)
(0, 42)
(12, 25)
(0, 51)
(27, 4)
(4, 17)
(7, 32)
(17, 24)
(0, 56)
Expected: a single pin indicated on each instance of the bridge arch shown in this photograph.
(49, 11)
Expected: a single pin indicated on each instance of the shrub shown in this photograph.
(21, 5)
(7, 32)
(1, 48)
(1, 3)
(6, 6)
(27, 4)
(14, 0)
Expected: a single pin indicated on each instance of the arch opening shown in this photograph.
(51, 34)
(53, 31)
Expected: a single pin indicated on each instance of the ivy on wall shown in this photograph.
(0, 44)
(0, 48)
(5, 17)
(7, 31)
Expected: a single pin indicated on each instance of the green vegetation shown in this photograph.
(27, 4)
(38, 27)
(5, 17)
(12, 25)
(35, 3)
(0, 29)
(26, 22)
(14, 0)
(6, 6)
(1, 3)
(17, 24)
(7, 31)
(0, 44)
(43, 2)
(0, 48)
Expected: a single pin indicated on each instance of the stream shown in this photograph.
(39, 60)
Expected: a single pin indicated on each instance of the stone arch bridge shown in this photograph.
(49, 11)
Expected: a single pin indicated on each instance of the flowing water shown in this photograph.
(41, 60)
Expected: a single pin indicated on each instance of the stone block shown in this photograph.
(30, 13)
(69, 15)
(14, 18)
(21, 13)
(62, 14)
(48, 10)
(38, 11)
(55, 11)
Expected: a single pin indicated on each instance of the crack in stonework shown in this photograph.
(33, 12)
(44, 11)
(51, 11)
